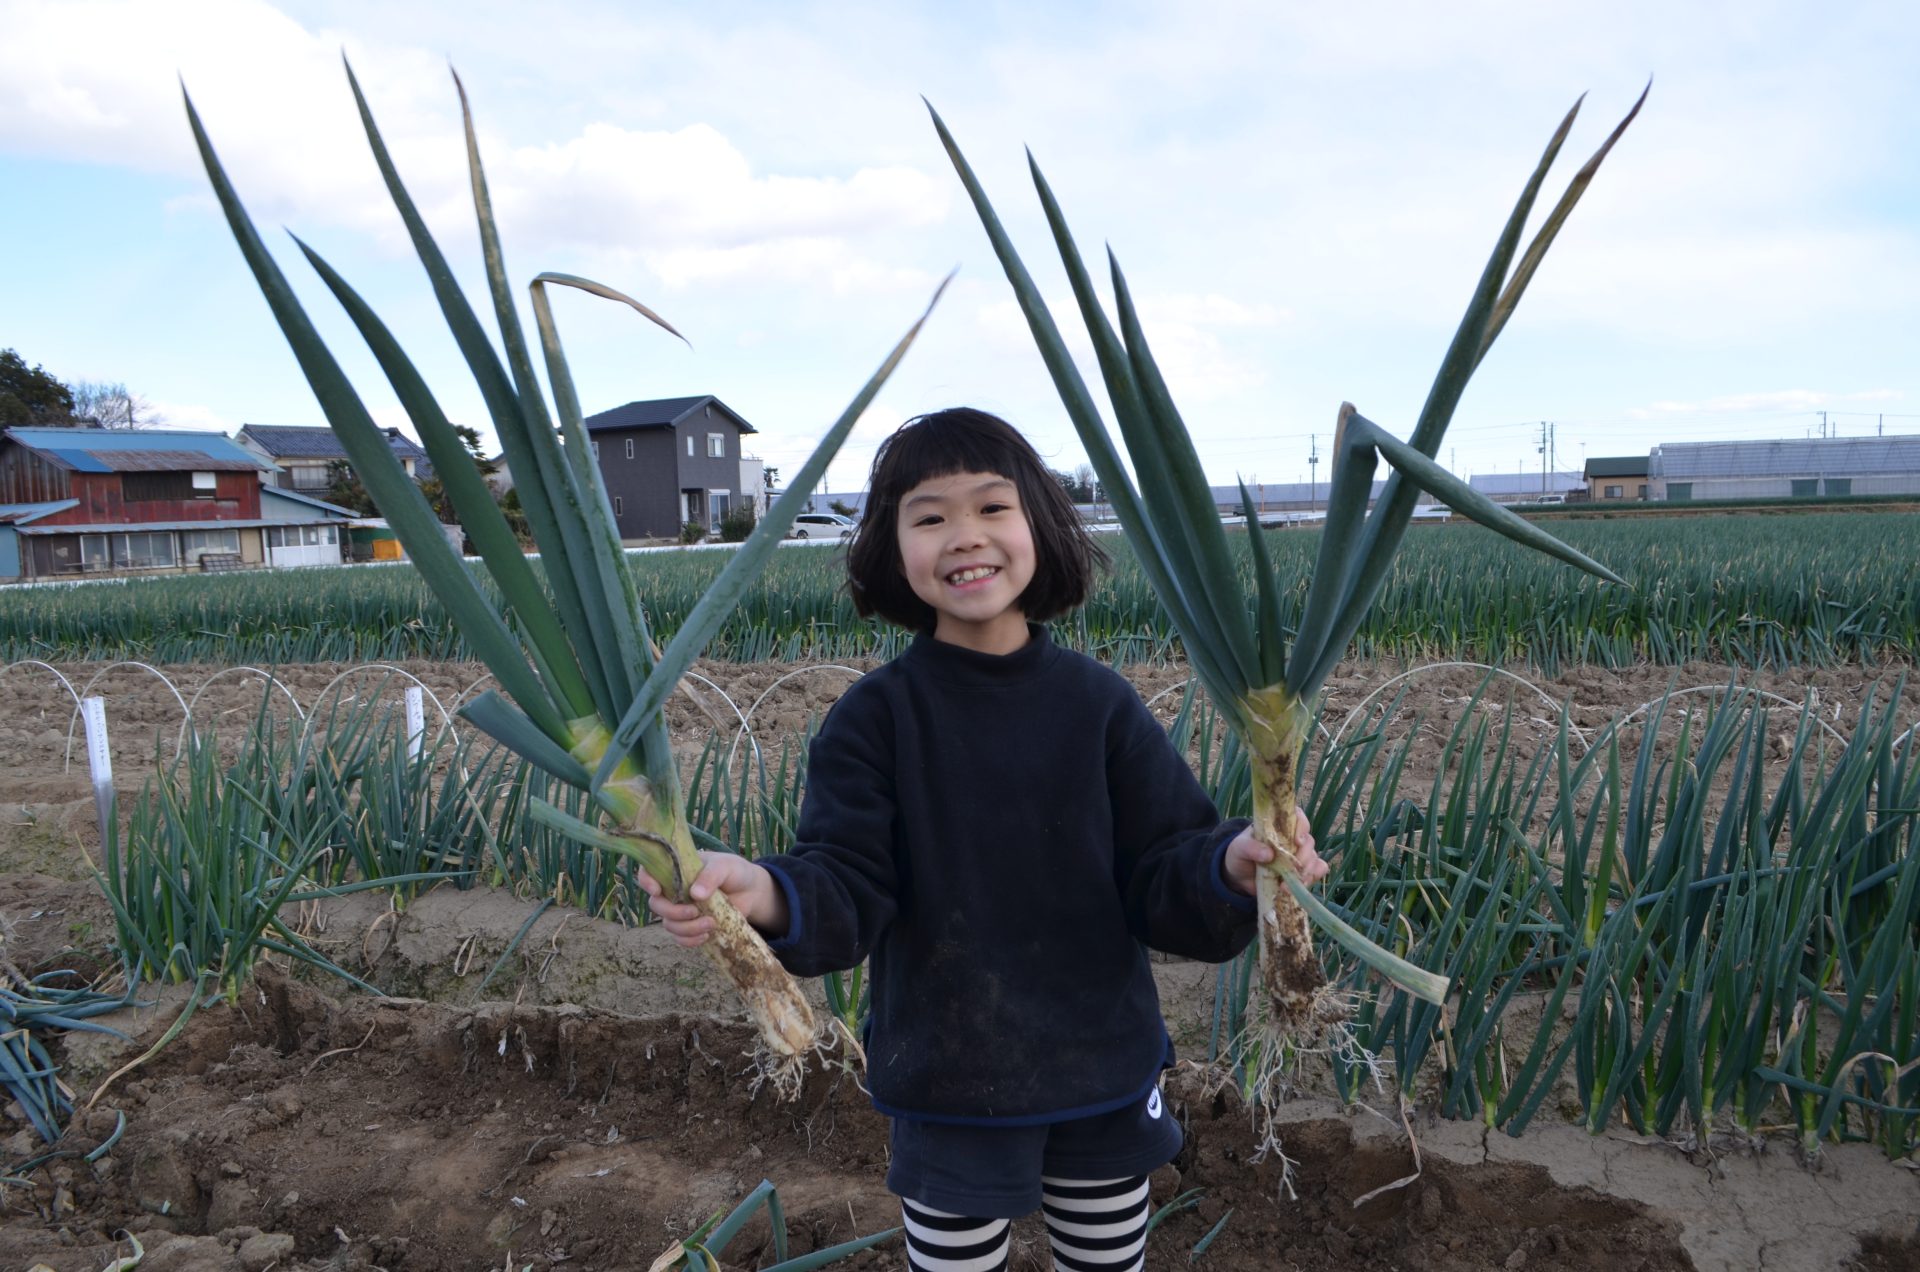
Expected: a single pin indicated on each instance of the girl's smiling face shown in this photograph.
(966, 549)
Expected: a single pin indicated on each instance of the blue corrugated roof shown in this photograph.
(110, 527)
(271, 493)
(27, 513)
(74, 445)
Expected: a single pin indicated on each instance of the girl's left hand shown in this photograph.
(1245, 856)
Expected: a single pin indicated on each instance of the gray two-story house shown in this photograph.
(670, 461)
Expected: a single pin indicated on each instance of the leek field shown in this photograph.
(1684, 910)
(1753, 591)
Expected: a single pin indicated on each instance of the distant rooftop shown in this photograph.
(119, 450)
(1494, 485)
(1796, 457)
(309, 441)
(660, 413)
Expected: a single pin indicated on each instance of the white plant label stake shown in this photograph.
(99, 759)
(416, 722)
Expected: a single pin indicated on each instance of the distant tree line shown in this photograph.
(29, 395)
(1079, 484)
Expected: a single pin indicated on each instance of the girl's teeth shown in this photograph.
(968, 576)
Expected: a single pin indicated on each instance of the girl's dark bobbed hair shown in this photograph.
(964, 440)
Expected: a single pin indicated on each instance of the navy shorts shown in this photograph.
(993, 1172)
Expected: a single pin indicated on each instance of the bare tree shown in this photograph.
(112, 405)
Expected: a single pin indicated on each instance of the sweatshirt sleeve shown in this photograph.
(839, 878)
(1170, 848)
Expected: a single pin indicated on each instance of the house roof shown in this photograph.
(660, 413)
(305, 441)
(304, 505)
(1621, 466)
(139, 527)
(1494, 484)
(27, 513)
(105, 450)
(1798, 457)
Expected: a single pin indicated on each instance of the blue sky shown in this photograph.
(1302, 196)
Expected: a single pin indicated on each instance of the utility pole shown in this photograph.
(1823, 425)
(1542, 448)
(1313, 469)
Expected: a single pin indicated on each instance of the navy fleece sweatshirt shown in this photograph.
(1001, 835)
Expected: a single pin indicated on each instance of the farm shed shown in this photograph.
(668, 461)
(307, 531)
(1526, 487)
(1801, 468)
(77, 501)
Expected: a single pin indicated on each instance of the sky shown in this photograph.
(1302, 197)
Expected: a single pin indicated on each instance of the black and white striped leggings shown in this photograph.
(1094, 1225)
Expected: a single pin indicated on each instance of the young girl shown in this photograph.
(1002, 828)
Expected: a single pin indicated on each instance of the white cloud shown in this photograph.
(191, 416)
(94, 81)
(1183, 330)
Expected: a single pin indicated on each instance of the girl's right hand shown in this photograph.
(749, 886)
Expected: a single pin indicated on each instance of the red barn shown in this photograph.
(81, 500)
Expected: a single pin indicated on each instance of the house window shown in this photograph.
(333, 535)
(716, 445)
(689, 445)
(1643, 490)
(1806, 487)
(146, 550)
(196, 543)
(1839, 485)
(310, 477)
(93, 552)
(618, 505)
(150, 487)
(1679, 491)
(204, 486)
(1614, 492)
(629, 448)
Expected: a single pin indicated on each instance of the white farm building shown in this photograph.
(1801, 469)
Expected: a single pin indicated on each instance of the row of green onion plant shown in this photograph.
(1653, 924)
(1263, 677)
(582, 680)
(1711, 930)
(224, 837)
(1762, 592)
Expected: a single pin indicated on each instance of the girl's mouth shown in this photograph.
(972, 574)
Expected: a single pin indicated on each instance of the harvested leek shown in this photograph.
(1265, 688)
(586, 682)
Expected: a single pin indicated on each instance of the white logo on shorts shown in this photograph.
(1153, 1103)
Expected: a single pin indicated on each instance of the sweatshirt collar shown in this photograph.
(959, 665)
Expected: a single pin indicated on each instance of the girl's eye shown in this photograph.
(995, 507)
(928, 520)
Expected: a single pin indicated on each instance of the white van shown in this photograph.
(820, 525)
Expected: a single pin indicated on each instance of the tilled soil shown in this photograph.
(359, 1133)
(306, 1128)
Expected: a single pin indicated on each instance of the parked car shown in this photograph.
(821, 525)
